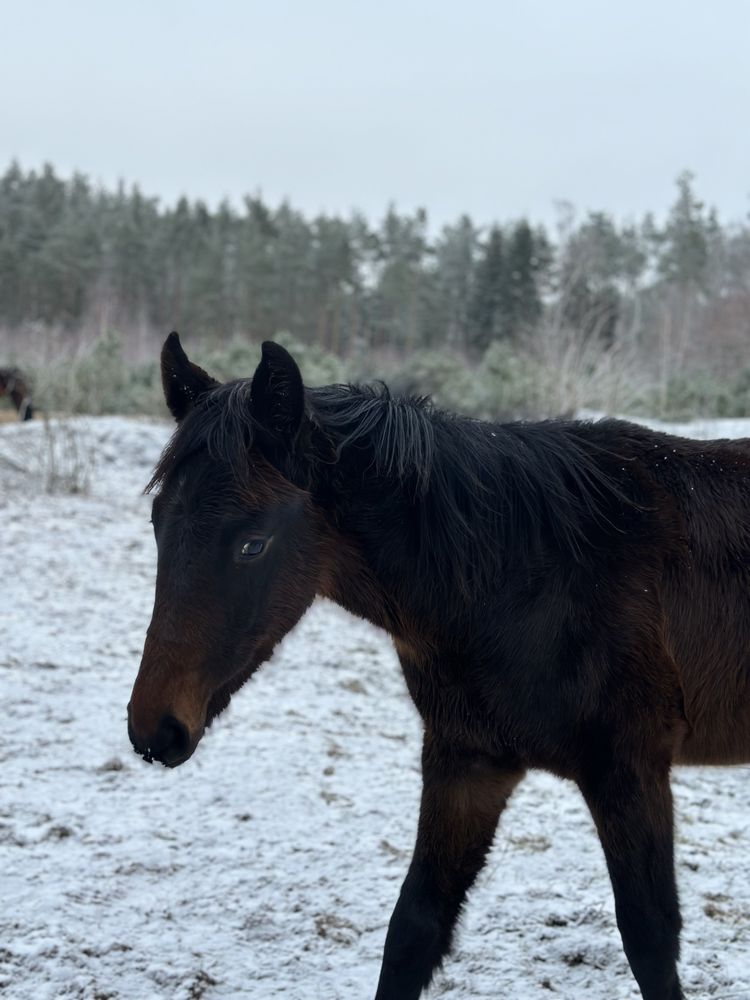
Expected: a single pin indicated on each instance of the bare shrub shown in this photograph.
(51, 455)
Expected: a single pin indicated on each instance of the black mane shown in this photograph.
(485, 493)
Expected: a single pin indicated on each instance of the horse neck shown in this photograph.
(373, 566)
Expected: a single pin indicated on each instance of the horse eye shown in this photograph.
(252, 548)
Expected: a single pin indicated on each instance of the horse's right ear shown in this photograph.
(184, 383)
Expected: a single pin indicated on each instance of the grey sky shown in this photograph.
(497, 109)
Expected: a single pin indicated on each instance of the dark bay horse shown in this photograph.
(562, 595)
(14, 385)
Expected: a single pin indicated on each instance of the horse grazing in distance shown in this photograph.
(562, 595)
(14, 385)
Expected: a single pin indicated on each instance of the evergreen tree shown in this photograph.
(491, 300)
(684, 251)
(12, 211)
(334, 269)
(592, 265)
(455, 262)
(403, 248)
(255, 269)
(523, 263)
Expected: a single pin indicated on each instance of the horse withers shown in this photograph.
(562, 595)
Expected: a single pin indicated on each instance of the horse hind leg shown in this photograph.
(462, 798)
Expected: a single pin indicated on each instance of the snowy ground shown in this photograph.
(268, 865)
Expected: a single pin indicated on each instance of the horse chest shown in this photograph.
(451, 708)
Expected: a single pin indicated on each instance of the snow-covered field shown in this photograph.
(268, 865)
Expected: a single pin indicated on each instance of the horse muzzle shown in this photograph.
(171, 742)
(167, 708)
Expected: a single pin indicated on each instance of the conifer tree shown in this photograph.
(491, 299)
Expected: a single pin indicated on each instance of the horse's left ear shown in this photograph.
(277, 396)
(184, 383)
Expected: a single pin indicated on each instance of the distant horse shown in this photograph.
(562, 595)
(13, 384)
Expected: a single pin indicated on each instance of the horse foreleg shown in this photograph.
(632, 808)
(462, 798)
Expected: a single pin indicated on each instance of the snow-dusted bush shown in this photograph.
(97, 380)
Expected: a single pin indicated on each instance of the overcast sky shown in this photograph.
(498, 109)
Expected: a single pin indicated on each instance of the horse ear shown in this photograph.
(184, 383)
(277, 396)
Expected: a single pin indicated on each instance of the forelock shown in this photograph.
(221, 423)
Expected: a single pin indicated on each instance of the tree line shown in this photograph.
(79, 259)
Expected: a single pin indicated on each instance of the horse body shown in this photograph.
(673, 585)
(706, 599)
(564, 596)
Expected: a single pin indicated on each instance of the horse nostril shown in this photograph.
(172, 740)
(171, 743)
